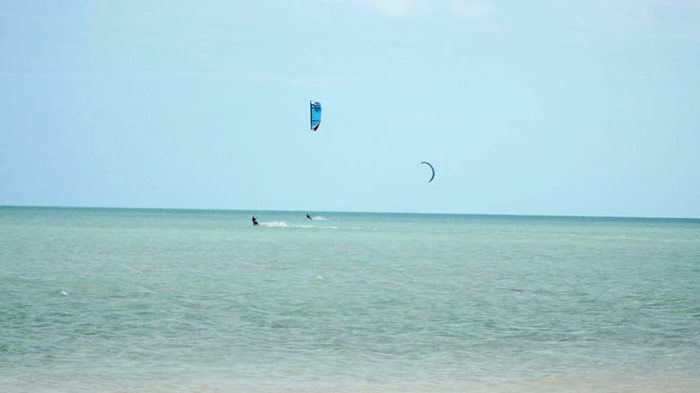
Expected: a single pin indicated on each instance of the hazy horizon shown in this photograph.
(204, 209)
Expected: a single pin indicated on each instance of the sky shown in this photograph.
(550, 107)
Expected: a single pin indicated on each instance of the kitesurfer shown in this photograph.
(308, 216)
(255, 221)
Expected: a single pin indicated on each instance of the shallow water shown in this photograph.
(115, 300)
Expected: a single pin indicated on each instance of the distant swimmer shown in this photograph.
(308, 216)
(255, 221)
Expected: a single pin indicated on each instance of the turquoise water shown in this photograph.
(118, 300)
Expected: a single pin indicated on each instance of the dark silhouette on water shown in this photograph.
(308, 216)
(255, 221)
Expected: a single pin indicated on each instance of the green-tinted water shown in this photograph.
(161, 300)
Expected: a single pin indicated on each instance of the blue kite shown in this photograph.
(315, 108)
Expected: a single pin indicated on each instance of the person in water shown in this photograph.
(308, 216)
(255, 221)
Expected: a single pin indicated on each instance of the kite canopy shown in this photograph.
(315, 108)
(431, 168)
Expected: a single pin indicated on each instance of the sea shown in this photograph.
(149, 300)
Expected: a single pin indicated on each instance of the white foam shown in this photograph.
(283, 224)
(274, 224)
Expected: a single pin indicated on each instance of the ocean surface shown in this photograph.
(126, 300)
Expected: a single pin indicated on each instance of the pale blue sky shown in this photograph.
(580, 107)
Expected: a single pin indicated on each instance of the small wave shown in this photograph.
(274, 224)
(283, 224)
(319, 218)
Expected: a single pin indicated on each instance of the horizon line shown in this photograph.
(345, 211)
